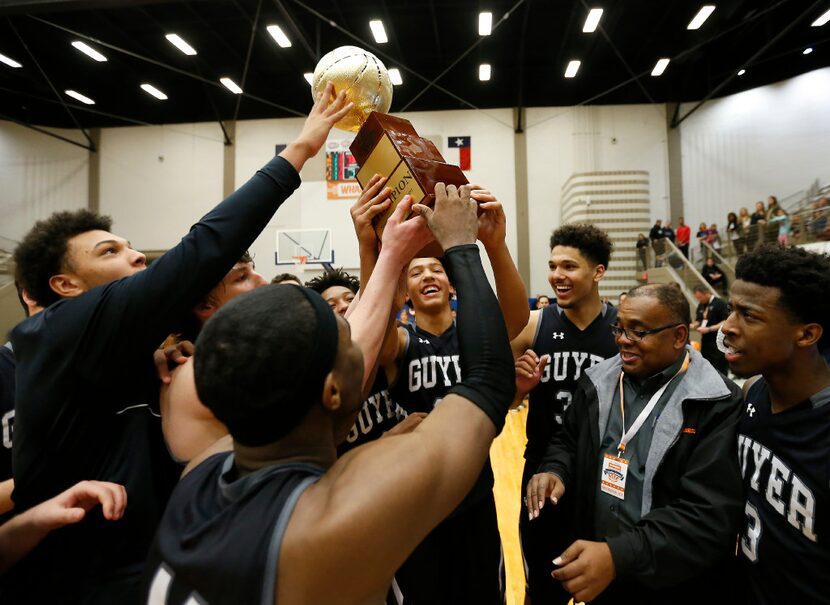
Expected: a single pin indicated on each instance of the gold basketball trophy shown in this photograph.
(384, 144)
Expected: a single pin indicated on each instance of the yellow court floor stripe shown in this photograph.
(506, 456)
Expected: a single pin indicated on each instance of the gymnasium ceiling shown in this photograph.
(434, 43)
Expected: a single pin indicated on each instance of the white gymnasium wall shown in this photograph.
(39, 175)
(566, 140)
(492, 166)
(772, 140)
(156, 181)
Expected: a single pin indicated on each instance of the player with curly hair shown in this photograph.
(87, 394)
(337, 287)
(558, 344)
(778, 328)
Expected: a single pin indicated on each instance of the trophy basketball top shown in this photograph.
(384, 144)
(364, 78)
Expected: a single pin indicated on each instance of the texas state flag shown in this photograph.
(463, 146)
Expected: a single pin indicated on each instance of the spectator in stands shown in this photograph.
(772, 207)
(757, 221)
(735, 233)
(745, 219)
(713, 237)
(656, 235)
(642, 251)
(542, 301)
(702, 234)
(711, 313)
(668, 232)
(771, 231)
(684, 234)
(796, 228)
(714, 275)
(818, 222)
(782, 221)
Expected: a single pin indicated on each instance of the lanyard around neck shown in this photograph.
(638, 423)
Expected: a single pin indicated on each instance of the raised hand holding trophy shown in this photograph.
(384, 144)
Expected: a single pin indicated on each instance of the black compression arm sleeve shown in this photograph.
(487, 370)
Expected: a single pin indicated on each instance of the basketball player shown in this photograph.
(777, 327)
(188, 426)
(87, 396)
(461, 560)
(558, 344)
(280, 519)
(7, 369)
(379, 415)
(193, 432)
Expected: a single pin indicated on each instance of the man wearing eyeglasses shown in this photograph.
(647, 453)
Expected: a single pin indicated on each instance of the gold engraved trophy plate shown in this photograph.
(383, 160)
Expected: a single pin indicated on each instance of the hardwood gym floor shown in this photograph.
(507, 458)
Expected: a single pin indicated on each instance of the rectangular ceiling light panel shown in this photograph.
(177, 41)
(592, 21)
(660, 67)
(573, 67)
(485, 24)
(9, 61)
(82, 98)
(279, 36)
(89, 51)
(822, 20)
(231, 85)
(378, 31)
(701, 16)
(152, 90)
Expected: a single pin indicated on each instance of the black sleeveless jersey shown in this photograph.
(572, 351)
(427, 370)
(378, 414)
(219, 540)
(7, 365)
(785, 463)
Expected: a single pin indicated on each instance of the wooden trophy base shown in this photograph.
(412, 165)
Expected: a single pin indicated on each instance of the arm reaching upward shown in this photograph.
(359, 506)
(511, 291)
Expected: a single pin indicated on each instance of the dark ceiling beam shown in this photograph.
(340, 14)
(46, 132)
(298, 32)
(254, 26)
(617, 52)
(435, 35)
(201, 65)
(692, 49)
(520, 69)
(205, 26)
(383, 54)
(395, 39)
(182, 72)
(434, 81)
(151, 18)
(758, 53)
(28, 7)
(52, 87)
(81, 108)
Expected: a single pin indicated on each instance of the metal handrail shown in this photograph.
(675, 252)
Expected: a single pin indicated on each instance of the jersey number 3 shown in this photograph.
(749, 541)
